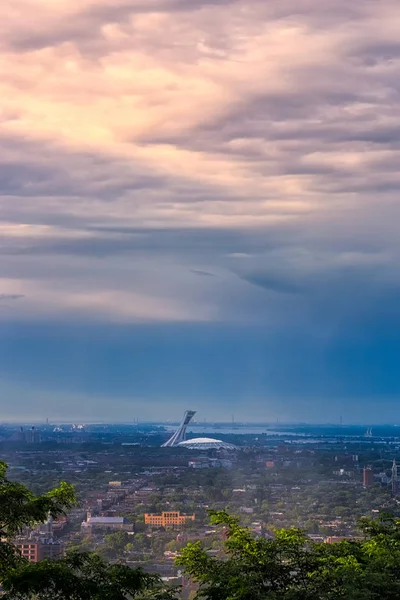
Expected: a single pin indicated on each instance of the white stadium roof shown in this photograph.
(206, 444)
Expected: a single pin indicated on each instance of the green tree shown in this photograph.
(291, 567)
(82, 576)
(78, 576)
(20, 508)
(115, 542)
(141, 542)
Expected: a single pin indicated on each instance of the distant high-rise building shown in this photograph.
(368, 477)
(32, 436)
(180, 433)
(395, 481)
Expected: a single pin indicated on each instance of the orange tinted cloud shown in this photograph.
(193, 115)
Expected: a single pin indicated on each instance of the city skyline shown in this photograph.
(240, 425)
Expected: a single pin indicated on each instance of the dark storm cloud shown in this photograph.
(209, 366)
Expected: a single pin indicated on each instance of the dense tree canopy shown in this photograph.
(82, 576)
(290, 566)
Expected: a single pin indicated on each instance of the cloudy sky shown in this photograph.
(199, 208)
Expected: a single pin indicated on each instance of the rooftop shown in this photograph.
(100, 520)
(204, 443)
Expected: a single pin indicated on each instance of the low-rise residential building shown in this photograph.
(36, 550)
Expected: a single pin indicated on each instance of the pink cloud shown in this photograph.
(169, 114)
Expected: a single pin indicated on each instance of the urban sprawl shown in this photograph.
(145, 489)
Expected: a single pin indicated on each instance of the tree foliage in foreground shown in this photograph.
(20, 508)
(292, 567)
(78, 576)
(82, 576)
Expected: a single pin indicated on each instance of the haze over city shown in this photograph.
(199, 208)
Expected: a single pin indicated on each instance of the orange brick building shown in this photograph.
(36, 551)
(29, 550)
(167, 519)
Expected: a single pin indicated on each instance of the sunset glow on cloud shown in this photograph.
(198, 161)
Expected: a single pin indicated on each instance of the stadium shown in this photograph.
(179, 438)
(206, 444)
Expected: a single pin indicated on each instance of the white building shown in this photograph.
(105, 522)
